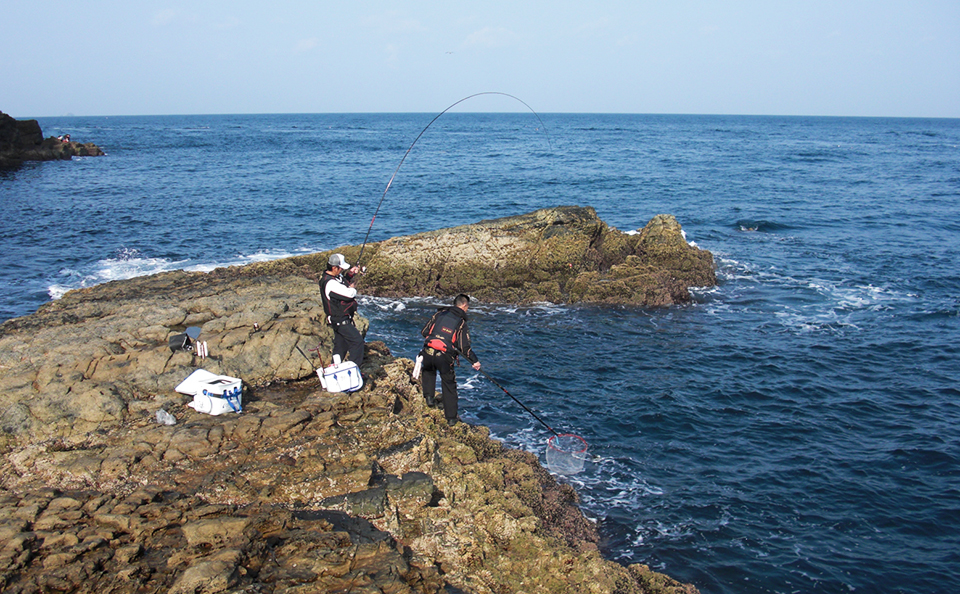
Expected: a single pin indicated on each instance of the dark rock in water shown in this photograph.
(22, 140)
(304, 490)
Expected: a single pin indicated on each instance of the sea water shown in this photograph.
(794, 429)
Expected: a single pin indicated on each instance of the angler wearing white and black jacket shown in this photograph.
(339, 296)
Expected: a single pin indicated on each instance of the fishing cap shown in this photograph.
(338, 260)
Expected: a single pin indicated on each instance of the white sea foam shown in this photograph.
(131, 263)
(128, 263)
(385, 303)
(798, 303)
(240, 260)
(57, 291)
(691, 243)
(683, 233)
(469, 383)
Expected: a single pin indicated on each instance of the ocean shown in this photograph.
(795, 429)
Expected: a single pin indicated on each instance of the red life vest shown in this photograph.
(445, 332)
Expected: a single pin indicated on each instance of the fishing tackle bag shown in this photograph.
(180, 342)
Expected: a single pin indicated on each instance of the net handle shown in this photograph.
(497, 384)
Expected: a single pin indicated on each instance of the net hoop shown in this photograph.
(566, 453)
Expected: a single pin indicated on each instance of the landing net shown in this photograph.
(566, 453)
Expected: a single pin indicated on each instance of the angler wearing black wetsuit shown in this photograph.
(446, 336)
(338, 294)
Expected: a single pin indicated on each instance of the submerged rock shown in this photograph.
(305, 489)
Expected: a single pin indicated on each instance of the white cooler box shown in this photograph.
(213, 394)
(341, 377)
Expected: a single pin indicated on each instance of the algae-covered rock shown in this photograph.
(558, 255)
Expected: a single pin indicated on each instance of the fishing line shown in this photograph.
(308, 358)
(389, 183)
(497, 384)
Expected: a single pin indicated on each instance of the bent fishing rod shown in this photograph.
(389, 183)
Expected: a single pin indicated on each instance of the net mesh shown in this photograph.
(566, 453)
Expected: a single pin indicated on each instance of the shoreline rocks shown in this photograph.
(22, 140)
(85, 361)
(306, 489)
(361, 492)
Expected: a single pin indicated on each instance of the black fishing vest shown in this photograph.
(337, 308)
(445, 332)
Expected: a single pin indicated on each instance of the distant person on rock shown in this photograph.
(446, 336)
(338, 293)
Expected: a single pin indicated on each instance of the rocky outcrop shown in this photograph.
(559, 255)
(88, 360)
(304, 489)
(22, 140)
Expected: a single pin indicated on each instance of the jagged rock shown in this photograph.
(22, 140)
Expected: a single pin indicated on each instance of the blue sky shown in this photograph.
(771, 57)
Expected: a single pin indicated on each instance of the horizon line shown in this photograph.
(598, 113)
